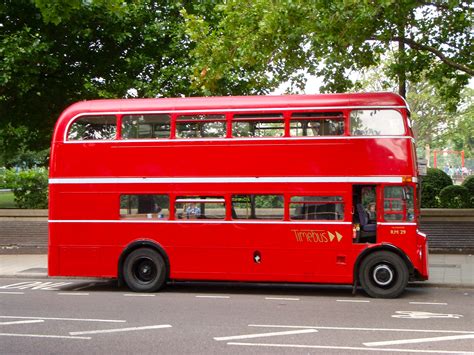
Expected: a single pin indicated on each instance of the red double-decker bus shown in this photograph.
(304, 189)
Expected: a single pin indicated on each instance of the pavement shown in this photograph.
(446, 270)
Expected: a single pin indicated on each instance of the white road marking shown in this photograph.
(36, 285)
(42, 336)
(263, 335)
(121, 329)
(354, 301)
(419, 340)
(430, 303)
(363, 329)
(84, 287)
(12, 293)
(212, 296)
(23, 322)
(282, 298)
(350, 348)
(424, 315)
(70, 319)
(73, 294)
(138, 295)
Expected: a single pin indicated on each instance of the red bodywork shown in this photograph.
(87, 236)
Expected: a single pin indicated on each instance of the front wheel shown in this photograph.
(383, 275)
(144, 270)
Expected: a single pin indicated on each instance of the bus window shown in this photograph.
(258, 125)
(93, 128)
(199, 207)
(393, 203)
(377, 122)
(144, 206)
(257, 207)
(313, 124)
(317, 208)
(145, 126)
(399, 204)
(200, 126)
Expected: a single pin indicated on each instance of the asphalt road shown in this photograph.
(88, 316)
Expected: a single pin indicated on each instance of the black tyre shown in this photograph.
(383, 275)
(144, 270)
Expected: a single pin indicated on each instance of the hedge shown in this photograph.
(455, 196)
(30, 187)
(431, 185)
(468, 183)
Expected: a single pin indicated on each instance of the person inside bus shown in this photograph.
(371, 213)
(193, 211)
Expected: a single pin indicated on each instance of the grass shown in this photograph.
(7, 200)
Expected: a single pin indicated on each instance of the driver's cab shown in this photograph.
(375, 205)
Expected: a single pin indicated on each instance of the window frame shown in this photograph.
(177, 119)
(254, 117)
(341, 202)
(121, 122)
(400, 113)
(257, 218)
(338, 116)
(78, 118)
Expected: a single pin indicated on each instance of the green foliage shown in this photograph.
(267, 42)
(468, 183)
(454, 196)
(14, 149)
(429, 196)
(431, 185)
(30, 187)
(56, 52)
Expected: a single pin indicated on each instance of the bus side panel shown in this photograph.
(171, 158)
(209, 251)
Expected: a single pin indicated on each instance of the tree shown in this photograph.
(56, 52)
(437, 122)
(268, 42)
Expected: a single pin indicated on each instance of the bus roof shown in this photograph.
(237, 102)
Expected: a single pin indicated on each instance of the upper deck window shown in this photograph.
(258, 125)
(145, 126)
(377, 123)
(314, 124)
(201, 126)
(93, 128)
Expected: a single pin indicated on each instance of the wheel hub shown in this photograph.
(144, 270)
(383, 275)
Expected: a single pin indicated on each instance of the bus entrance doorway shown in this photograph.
(364, 218)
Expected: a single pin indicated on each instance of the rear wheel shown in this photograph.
(144, 270)
(383, 275)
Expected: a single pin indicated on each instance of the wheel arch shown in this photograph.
(382, 247)
(142, 243)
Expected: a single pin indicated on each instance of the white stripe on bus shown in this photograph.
(227, 180)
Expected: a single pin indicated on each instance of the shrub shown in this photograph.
(30, 187)
(429, 196)
(455, 196)
(468, 183)
(431, 185)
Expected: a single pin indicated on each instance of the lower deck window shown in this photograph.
(144, 206)
(198, 207)
(257, 207)
(325, 208)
